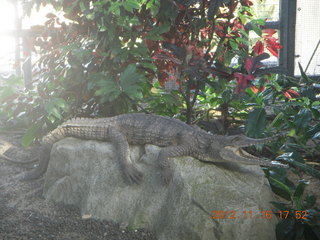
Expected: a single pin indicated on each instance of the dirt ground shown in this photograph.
(25, 215)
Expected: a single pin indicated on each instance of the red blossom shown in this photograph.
(291, 94)
(256, 90)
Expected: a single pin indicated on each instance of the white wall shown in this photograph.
(307, 36)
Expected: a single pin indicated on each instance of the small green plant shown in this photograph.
(27, 109)
(299, 217)
(294, 111)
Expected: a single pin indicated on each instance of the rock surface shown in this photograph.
(87, 174)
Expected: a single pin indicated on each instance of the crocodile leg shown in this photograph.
(164, 160)
(132, 174)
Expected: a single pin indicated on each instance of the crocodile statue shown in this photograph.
(176, 137)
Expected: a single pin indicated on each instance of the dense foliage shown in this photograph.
(156, 56)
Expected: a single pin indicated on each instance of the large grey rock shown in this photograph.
(86, 174)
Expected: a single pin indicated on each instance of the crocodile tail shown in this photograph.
(54, 136)
(44, 156)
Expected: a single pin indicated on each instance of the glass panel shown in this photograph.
(307, 36)
(267, 9)
(6, 16)
(7, 42)
(7, 47)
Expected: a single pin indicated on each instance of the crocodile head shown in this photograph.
(231, 149)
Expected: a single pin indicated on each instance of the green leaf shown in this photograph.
(256, 123)
(306, 168)
(304, 75)
(316, 112)
(129, 81)
(130, 5)
(149, 65)
(60, 102)
(256, 29)
(155, 33)
(298, 194)
(280, 188)
(277, 121)
(30, 135)
(108, 90)
(52, 110)
(310, 201)
(302, 119)
(115, 8)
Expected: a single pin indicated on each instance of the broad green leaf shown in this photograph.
(149, 65)
(129, 81)
(298, 194)
(315, 103)
(155, 33)
(310, 201)
(280, 188)
(60, 102)
(130, 5)
(256, 123)
(115, 8)
(108, 90)
(51, 109)
(302, 119)
(277, 121)
(139, 50)
(30, 135)
(256, 29)
(82, 6)
(153, 5)
(306, 168)
(316, 112)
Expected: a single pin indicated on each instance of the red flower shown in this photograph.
(291, 94)
(256, 90)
